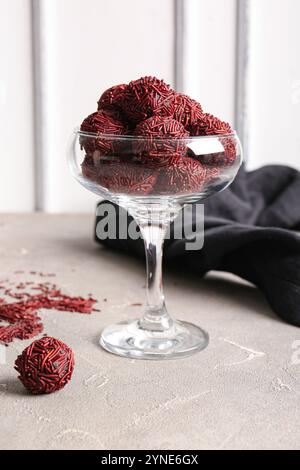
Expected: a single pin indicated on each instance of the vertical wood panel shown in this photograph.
(89, 46)
(210, 55)
(274, 82)
(242, 73)
(179, 44)
(16, 108)
(40, 118)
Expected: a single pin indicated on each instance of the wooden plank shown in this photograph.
(16, 115)
(89, 46)
(209, 55)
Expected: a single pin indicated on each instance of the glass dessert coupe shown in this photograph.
(153, 179)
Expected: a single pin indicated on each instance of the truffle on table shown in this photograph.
(45, 366)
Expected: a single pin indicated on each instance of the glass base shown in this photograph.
(129, 339)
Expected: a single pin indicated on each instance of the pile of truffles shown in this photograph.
(158, 160)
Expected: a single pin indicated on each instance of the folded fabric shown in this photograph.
(251, 231)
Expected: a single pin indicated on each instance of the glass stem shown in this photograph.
(156, 317)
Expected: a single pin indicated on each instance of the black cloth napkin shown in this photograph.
(251, 231)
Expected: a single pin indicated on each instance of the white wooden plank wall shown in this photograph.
(274, 82)
(16, 107)
(209, 63)
(240, 58)
(87, 46)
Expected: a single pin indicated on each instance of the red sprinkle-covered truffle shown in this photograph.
(169, 132)
(186, 175)
(112, 97)
(120, 177)
(186, 110)
(229, 145)
(101, 122)
(45, 366)
(221, 159)
(146, 97)
(207, 124)
(158, 126)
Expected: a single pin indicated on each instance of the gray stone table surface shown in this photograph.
(242, 392)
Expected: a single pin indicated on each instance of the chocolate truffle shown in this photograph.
(169, 132)
(229, 145)
(207, 124)
(119, 177)
(186, 110)
(221, 159)
(45, 366)
(112, 98)
(184, 176)
(146, 97)
(101, 122)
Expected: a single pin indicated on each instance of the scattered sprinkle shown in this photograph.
(22, 315)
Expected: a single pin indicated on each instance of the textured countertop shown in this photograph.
(241, 392)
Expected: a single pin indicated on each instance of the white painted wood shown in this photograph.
(242, 73)
(179, 44)
(82, 47)
(40, 117)
(210, 55)
(16, 107)
(87, 47)
(274, 83)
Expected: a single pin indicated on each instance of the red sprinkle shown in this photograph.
(146, 97)
(186, 110)
(45, 366)
(186, 175)
(112, 98)
(120, 177)
(100, 122)
(167, 130)
(207, 124)
(22, 316)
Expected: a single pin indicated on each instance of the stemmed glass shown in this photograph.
(153, 179)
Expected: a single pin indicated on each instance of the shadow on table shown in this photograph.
(221, 286)
(224, 286)
(12, 386)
